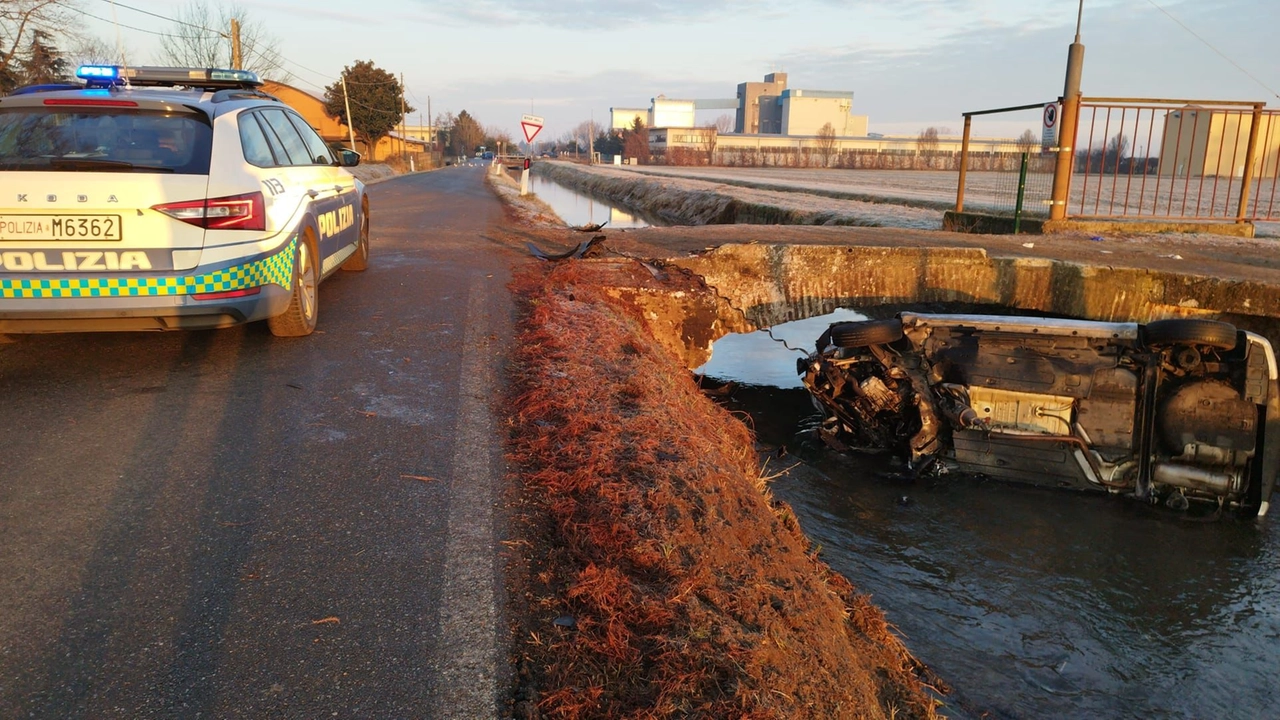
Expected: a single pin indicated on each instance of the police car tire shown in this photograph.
(359, 260)
(296, 321)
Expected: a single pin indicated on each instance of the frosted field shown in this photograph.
(930, 192)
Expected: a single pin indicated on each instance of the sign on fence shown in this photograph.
(1049, 133)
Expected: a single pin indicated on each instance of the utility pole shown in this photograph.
(1068, 118)
(404, 148)
(351, 130)
(237, 62)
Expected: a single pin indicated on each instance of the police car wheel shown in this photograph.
(359, 260)
(300, 317)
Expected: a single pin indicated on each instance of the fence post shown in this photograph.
(1246, 178)
(1022, 190)
(1068, 118)
(964, 163)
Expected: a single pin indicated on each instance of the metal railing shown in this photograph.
(1156, 159)
(1013, 179)
(1175, 160)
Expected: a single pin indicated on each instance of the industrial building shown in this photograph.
(771, 117)
(1201, 141)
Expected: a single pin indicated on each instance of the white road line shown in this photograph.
(468, 617)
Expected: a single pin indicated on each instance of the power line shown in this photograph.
(1211, 47)
(317, 73)
(131, 27)
(162, 17)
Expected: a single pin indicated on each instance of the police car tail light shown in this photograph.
(235, 212)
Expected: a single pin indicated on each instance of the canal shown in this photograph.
(1030, 603)
(578, 210)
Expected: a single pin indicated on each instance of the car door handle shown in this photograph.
(313, 193)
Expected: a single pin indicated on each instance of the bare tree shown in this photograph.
(19, 21)
(90, 50)
(724, 123)
(826, 143)
(1027, 142)
(201, 37)
(927, 144)
(708, 137)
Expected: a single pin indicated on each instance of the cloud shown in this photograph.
(1130, 51)
(588, 14)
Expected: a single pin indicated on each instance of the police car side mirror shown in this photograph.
(348, 158)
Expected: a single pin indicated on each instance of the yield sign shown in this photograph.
(531, 124)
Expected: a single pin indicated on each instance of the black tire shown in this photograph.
(299, 319)
(866, 332)
(1189, 331)
(359, 261)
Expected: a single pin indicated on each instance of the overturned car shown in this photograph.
(1174, 411)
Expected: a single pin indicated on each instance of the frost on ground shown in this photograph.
(876, 195)
(692, 201)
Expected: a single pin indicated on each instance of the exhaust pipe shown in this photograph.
(1191, 477)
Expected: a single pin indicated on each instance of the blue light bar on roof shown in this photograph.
(98, 72)
(211, 78)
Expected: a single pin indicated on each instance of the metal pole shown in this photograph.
(1022, 191)
(236, 60)
(964, 163)
(1068, 119)
(1246, 177)
(346, 99)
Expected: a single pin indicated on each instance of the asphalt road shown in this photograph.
(226, 524)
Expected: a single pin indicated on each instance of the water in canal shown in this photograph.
(1030, 603)
(578, 209)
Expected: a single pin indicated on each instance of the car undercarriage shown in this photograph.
(1176, 412)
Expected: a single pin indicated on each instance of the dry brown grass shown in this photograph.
(641, 518)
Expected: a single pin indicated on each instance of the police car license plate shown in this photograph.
(59, 227)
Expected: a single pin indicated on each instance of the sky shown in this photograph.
(910, 64)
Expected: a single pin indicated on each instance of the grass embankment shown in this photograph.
(662, 578)
(675, 205)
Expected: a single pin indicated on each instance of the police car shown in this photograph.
(169, 198)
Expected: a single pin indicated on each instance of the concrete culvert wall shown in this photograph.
(773, 284)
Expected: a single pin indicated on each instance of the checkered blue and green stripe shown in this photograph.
(277, 269)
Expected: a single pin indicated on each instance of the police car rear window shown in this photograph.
(104, 140)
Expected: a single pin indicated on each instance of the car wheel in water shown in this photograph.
(1189, 331)
(300, 317)
(359, 261)
(865, 332)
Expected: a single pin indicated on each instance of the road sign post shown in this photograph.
(531, 125)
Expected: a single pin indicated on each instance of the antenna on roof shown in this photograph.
(119, 44)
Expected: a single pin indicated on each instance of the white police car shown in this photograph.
(169, 198)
